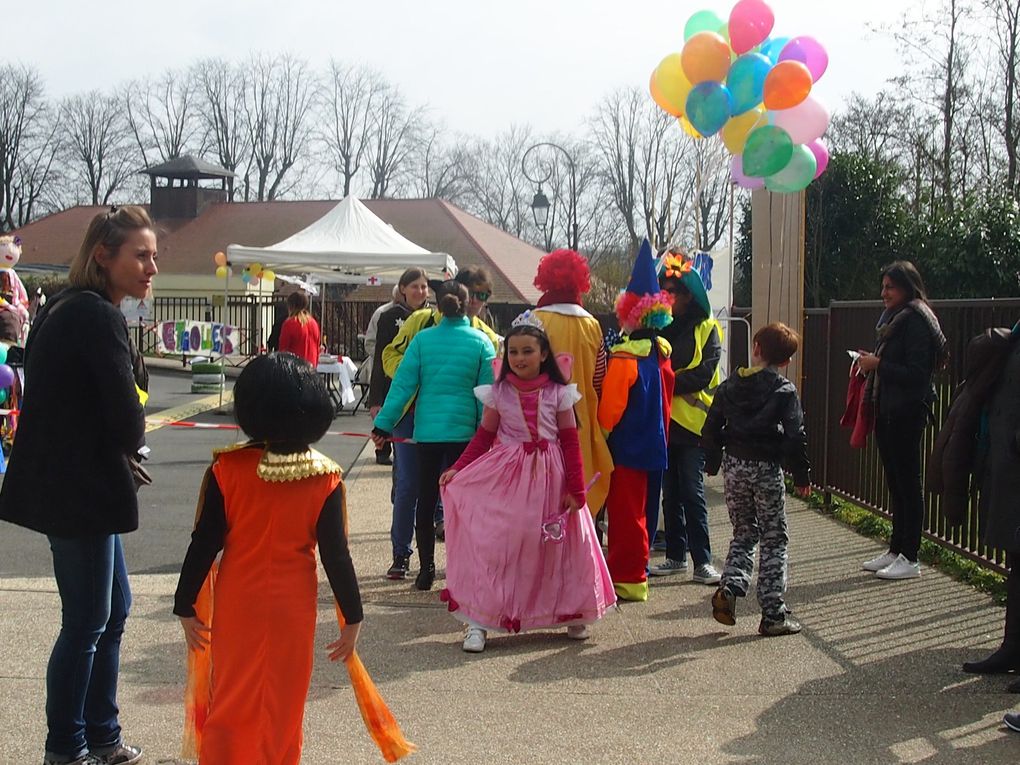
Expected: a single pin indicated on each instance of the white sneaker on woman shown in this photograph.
(877, 564)
(578, 632)
(474, 642)
(901, 568)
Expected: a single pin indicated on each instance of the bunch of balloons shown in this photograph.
(223, 269)
(7, 375)
(732, 78)
(253, 273)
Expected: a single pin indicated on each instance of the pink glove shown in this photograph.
(478, 446)
(572, 463)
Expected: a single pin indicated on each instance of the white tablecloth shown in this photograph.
(344, 369)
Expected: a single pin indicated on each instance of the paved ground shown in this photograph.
(873, 678)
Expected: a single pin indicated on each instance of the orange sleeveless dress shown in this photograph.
(263, 624)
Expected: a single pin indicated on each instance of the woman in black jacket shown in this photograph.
(910, 348)
(73, 473)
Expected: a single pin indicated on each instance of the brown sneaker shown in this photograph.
(122, 754)
(784, 625)
(724, 607)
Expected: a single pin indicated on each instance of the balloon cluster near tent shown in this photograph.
(733, 79)
(251, 274)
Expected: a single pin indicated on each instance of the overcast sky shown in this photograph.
(481, 66)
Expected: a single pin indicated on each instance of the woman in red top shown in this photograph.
(300, 332)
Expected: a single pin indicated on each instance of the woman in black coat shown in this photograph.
(73, 472)
(1000, 499)
(910, 348)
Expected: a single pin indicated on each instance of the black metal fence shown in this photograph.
(856, 474)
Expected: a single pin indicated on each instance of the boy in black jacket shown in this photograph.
(757, 421)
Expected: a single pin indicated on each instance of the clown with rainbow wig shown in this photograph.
(635, 411)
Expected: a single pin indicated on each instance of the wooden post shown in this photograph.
(777, 265)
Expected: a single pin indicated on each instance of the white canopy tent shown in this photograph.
(349, 244)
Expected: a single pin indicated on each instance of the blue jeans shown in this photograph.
(81, 677)
(405, 487)
(684, 511)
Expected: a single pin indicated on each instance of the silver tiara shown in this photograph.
(528, 319)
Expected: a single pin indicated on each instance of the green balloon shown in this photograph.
(767, 151)
(3, 353)
(702, 21)
(798, 173)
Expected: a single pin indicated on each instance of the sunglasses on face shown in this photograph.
(481, 296)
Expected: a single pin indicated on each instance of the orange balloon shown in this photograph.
(706, 58)
(220, 259)
(669, 85)
(787, 85)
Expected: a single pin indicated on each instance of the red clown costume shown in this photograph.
(635, 411)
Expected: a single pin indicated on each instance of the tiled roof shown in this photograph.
(188, 246)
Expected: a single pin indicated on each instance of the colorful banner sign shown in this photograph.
(196, 338)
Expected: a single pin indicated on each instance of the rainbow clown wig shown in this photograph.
(643, 305)
(563, 276)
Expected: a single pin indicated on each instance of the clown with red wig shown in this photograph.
(635, 410)
(563, 277)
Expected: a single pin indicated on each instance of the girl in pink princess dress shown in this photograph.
(519, 555)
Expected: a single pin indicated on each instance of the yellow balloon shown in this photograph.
(269, 275)
(221, 272)
(220, 259)
(736, 129)
(689, 128)
(669, 85)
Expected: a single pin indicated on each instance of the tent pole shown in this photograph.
(223, 345)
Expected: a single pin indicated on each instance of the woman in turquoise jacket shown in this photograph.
(441, 367)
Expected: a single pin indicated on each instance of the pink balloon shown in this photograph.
(737, 173)
(805, 122)
(750, 23)
(809, 52)
(821, 156)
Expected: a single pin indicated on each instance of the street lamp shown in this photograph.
(540, 203)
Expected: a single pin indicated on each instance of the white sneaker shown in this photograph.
(578, 632)
(474, 642)
(901, 568)
(877, 564)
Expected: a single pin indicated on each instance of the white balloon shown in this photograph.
(805, 122)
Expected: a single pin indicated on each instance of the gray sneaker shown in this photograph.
(706, 574)
(122, 754)
(54, 760)
(785, 625)
(668, 567)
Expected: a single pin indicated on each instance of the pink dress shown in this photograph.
(514, 560)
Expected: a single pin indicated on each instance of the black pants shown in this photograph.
(431, 459)
(1012, 631)
(899, 445)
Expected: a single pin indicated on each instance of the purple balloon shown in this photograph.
(809, 52)
(737, 173)
(821, 153)
(6, 376)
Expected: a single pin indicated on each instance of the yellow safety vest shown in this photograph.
(690, 410)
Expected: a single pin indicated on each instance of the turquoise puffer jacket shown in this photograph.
(442, 365)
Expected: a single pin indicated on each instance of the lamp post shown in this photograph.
(540, 203)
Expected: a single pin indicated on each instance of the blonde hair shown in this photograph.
(108, 230)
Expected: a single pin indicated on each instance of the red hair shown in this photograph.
(563, 271)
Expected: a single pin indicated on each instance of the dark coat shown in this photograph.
(69, 474)
(953, 455)
(907, 366)
(1000, 494)
(756, 415)
(388, 326)
(680, 334)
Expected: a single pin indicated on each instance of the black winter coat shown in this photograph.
(680, 334)
(69, 474)
(757, 416)
(1001, 486)
(907, 367)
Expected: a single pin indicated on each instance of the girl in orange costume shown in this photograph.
(267, 504)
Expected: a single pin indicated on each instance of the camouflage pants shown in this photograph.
(756, 500)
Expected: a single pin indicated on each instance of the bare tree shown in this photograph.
(1007, 25)
(615, 130)
(498, 190)
(277, 105)
(442, 168)
(23, 110)
(351, 94)
(221, 88)
(99, 143)
(161, 114)
(395, 127)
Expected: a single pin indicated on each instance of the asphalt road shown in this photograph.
(167, 507)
